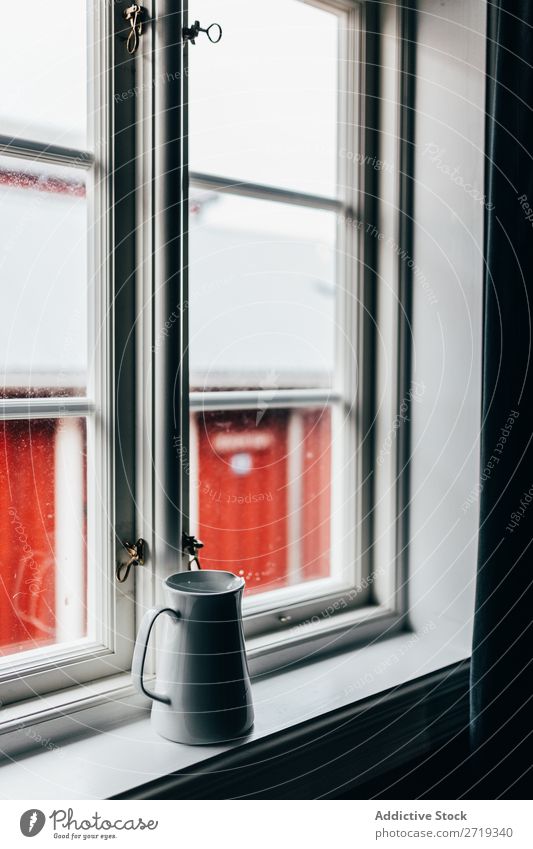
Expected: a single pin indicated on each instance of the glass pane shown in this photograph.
(43, 265)
(261, 494)
(43, 532)
(262, 293)
(43, 68)
(263, 102)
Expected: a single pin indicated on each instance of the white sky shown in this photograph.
(43, 71)
(263, 107)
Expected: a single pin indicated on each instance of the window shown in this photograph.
(193, 340)
(276, 308)
(61, 621)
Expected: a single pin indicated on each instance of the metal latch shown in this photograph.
(213, 32)
(137, 552)
(191, 546)
(134, 14)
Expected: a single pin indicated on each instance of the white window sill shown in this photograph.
(106, 763)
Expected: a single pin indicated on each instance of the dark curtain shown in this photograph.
(502, 663)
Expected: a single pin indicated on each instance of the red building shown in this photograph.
(263, 494)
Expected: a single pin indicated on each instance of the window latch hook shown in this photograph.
(213, 32)
(137, 553)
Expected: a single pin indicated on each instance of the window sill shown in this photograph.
(123, 757)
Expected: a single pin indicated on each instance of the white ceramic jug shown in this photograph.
(202, 692)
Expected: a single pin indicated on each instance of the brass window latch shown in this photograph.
(135, 15)
(191, 546)
(137, 555)
(213, 32)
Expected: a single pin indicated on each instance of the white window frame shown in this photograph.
(289, 607)
(141, 399)
(107, 650)
(379, 609)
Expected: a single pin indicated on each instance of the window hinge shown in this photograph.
(213, 32)
(135, 15)
(137, 553)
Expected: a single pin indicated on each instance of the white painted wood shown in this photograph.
(70, 598)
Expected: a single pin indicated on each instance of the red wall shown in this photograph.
(243, 513)
(246, 509)
(246, 516)
(27, 529)
(315, 517)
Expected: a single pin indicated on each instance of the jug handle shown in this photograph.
(141, 647)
